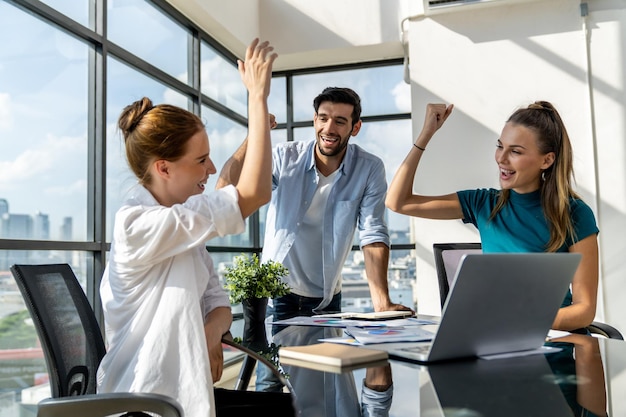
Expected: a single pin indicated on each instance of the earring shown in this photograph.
(543, 175)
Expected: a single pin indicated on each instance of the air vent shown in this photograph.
(438, 3)
(445, 6)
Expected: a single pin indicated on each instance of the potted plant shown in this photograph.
(251, 283)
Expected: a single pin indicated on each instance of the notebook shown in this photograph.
(374, 315)
(331, 357)
(498, 303)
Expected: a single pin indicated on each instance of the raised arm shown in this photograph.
(255, 181)
(231, 171)
(400, 197)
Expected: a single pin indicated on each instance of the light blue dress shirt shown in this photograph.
(357, 199)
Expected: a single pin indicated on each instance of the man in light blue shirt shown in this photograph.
(323, 190)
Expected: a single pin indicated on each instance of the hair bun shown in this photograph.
(132, 115)
(541, 105)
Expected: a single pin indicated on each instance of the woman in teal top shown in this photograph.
(536, 209)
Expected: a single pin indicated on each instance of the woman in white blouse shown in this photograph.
(165, 311)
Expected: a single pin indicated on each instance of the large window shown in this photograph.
(64, 80)
(148, 33)
(63, 172)
(381, 89)
(43, 130)
(220, 80)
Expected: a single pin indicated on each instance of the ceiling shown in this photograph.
(305, 33)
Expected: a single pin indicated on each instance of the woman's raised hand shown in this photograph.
(436, 115)
(256, 70)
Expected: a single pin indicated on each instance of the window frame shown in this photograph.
(100, 49)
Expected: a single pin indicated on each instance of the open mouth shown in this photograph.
(506, 173)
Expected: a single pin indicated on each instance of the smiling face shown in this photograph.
(188, 175)
(519, 159)
(333, 128)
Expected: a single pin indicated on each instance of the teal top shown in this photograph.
(520, 226)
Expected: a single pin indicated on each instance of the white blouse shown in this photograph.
(157, 288)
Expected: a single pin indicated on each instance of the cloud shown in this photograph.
(174, 98)
(402, 96)
(54, 159)
(6, 116)
(78, 187)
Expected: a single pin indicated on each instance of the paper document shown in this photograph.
(388, 334)
(329, 321)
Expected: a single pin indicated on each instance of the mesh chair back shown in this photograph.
(447, 259)
(69, 333)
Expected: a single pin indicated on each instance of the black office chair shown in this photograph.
(447, 258)
(73, 347)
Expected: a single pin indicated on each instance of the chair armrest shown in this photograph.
(605, 330)
(101, 405)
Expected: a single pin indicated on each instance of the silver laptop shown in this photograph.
(498, 303)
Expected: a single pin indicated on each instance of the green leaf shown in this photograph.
(248, 278)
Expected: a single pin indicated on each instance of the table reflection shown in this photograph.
(569, 382)
(335, 394)
(579, 372)
(522, 386)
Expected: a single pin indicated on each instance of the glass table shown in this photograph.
(586, 377)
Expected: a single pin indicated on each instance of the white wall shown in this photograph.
(490, 61)
(607, 23)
